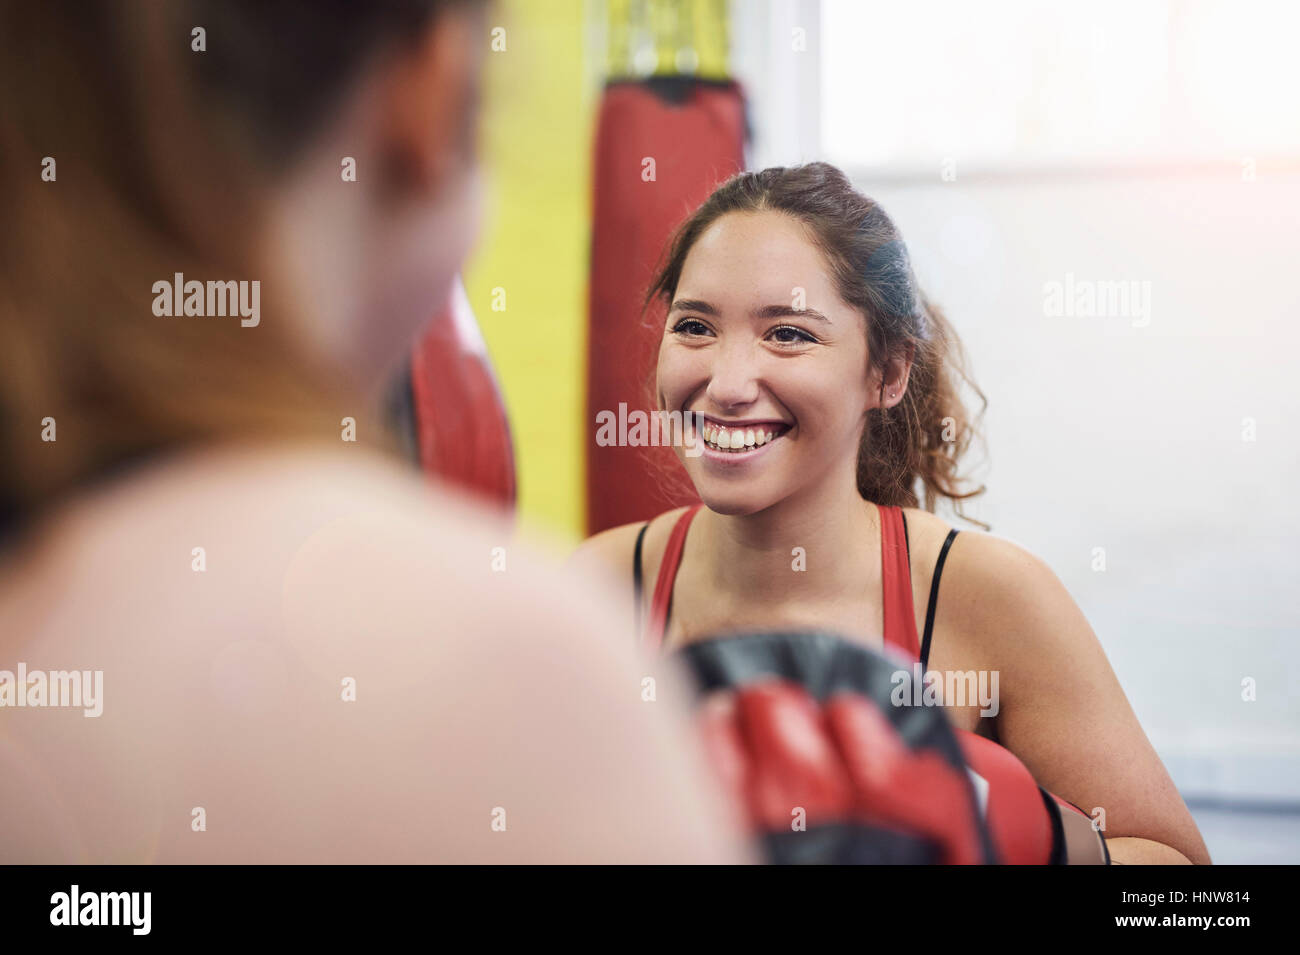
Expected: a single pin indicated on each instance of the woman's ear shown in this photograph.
(430, 101)
(894, 379)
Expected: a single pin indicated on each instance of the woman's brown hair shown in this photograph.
(924, 436)
(163, 157)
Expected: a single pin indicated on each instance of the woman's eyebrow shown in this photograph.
(767, 311)
(788, 311)
(693, 305)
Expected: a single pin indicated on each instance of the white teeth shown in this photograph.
(735, 439)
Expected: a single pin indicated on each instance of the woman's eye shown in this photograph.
(691, 326)
(789, 335)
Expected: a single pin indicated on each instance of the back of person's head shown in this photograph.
(322, 150)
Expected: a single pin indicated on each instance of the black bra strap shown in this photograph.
(636, 574)
(934, 598)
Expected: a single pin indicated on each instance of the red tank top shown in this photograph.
(900, 618)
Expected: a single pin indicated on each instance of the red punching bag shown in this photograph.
(694, 131)
(461, 432)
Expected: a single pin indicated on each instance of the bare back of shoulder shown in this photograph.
(285, 639)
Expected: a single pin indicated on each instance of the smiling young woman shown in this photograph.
(825, 386)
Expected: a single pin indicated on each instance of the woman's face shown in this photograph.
(419, 242)
(373, 260)
(759, 343)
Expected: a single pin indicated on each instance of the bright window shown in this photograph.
(1017, 82)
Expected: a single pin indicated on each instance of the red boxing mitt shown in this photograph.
(825, 768)
(822, 766)
(1029, 825)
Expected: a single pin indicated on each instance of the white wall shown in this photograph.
(1105, 434)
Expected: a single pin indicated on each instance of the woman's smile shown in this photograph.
(733, 442)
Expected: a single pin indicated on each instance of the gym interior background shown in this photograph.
(1025, 150)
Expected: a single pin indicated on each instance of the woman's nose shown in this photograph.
(734, 376)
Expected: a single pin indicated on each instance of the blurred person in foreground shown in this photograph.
(305, 654)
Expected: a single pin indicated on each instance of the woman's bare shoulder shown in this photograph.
(925, 536)
(994, 584)
(614, 549)
(924, 522)
(263, 526)
(927, 532)
(985, 575)
(239, 604)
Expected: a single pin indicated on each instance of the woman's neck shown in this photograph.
(811, 544)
